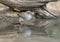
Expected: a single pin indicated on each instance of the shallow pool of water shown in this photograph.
(41, 31)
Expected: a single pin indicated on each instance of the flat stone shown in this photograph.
(54, 7)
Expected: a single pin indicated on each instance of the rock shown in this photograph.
(24, 4)
(54, 7)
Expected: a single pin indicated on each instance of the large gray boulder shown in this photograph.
(21, 4)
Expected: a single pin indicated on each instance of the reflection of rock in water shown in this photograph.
(7, 28)
(25, 30)
(37, 30)
(53, 28)
(6, 21)
(40, 22)
(40, 27)
(7, 32)
(5, 25)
